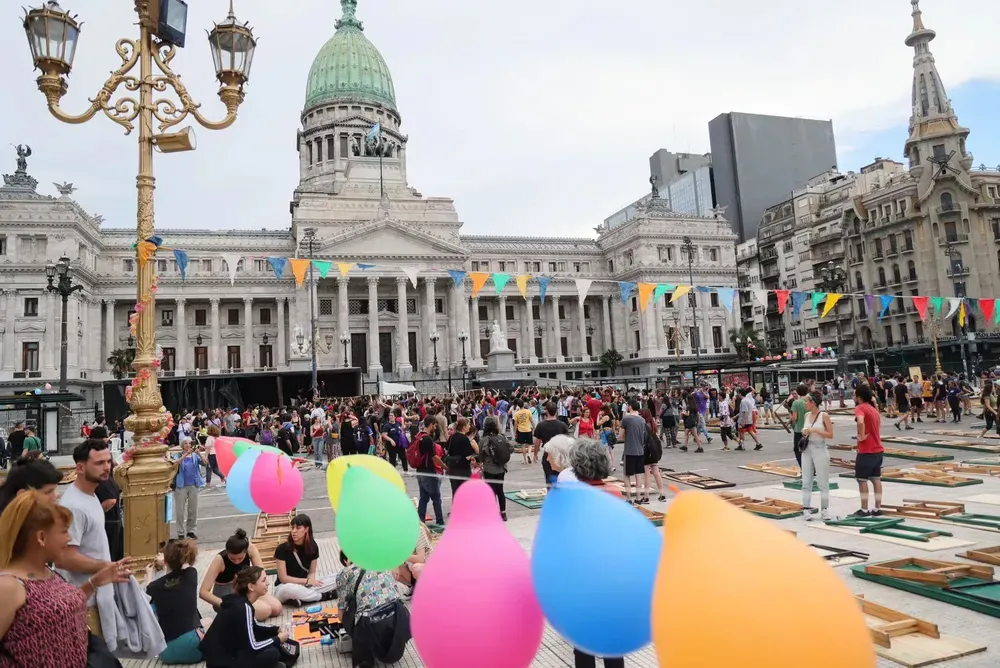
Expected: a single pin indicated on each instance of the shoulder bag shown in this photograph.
(804, 441)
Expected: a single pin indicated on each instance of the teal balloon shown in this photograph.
(377, 523)
(238, 482)
(240, 446)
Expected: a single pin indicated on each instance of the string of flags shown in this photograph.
(820, 303)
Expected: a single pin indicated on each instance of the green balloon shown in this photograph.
(377, 524)
(239, 447)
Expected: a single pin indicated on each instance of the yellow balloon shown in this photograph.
(768, 587)
(338, 467)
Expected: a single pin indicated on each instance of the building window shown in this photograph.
(167, 318)
(233, 357)
(693, 337)
(553, 267)
(536, 311)
(504, 266)
(484, 312)
(919, 329)
(888, 336)
(713, 254)
(169, 362)
(259, 265)
(325, 307)
(634, 304)
(201, 357)
(629, 258)
(411, 308)
(787, 247)
(510, 312)
(3, 245)
(233, 316)
(714, 299)
(128, 266)
(31, 307)
(692, 300)
(586, 311)
(161, 266)
(439, 306)
(907, 240)
(200, 317)
(611, 266)
(635, 336)
(266, 360)
(717, 337)
(357, 307)
(265, 316)
(29, 356)
(878, 248)
(562, 311)
(577, 267)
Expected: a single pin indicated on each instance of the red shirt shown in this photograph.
(872, 443)
(595, 407)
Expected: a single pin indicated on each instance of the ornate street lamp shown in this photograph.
(198, 340)
(463, 336)
(65, 288)
(689, 248)
(435, 336)
(145, 70)
(345, 338)
(833, 278)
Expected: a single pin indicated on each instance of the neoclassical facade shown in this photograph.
(354, 205)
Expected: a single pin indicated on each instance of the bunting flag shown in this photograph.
(816, 298)
(479, 279)
(938, 304)
(278, 266)
(760, 296)
(457, 277)
(986, 307)
(582, 287)
(232, 261)
(182, 260)
(680, 292)
(144, 251)
(662, 289)
(831, 301)
(870, 303)
(782, 296)
(798, 299)
(323, 267)
(522, 284)
(299, 268)
(727, 296)
(365, 266)
(344, 268)
(961, 314)
(543, 286)
(953, 305)
(920, 303)
(625, 290)
(500, 281)
(645, 292)
(885, 301)
(411, 273)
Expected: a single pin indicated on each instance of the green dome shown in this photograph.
(349, 67)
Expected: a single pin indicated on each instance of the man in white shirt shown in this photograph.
(748, 418)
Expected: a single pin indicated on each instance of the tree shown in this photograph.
(748, 343)
(610, 359)
(121, 362)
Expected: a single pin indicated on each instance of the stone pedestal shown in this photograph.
(500, 361)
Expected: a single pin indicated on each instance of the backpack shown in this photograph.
(413, 456)
(266, 437)
(652, 448)
(394, 432)
(501, 449)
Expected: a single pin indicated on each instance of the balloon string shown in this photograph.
(445, 476)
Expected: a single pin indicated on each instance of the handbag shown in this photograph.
(290, 650)
(804, 441)
(98, 654)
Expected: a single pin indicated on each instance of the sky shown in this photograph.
(535, 121)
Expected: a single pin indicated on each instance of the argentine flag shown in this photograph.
(375, 134)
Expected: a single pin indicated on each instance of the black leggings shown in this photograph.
(581, 660)
(727, 434)
(398, 451)
(495, 481)
(265, 658)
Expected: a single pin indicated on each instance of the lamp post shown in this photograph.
(956, 271)
(53, 35)
(833, 279)
(690, 248)
(463, 336)
(65, 288)
(435, 336)
(345, 338)
(309, 237)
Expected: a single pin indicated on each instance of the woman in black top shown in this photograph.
(175, 601)
(297, 559)
(235, 639)
(462, 450)
(348, 443)
(220, 578)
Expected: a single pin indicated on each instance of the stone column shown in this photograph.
(454, 322)
(502, 306)
(403, 329)
(72, 335)
(53, 334)
(430, 322)
(215, 354)
(529, 320)
(661, 335)
(619, 330)
(556, 350)
(474, 331)
(582, 325)
(180, 322)
(648, 332)
(247, 358)
(109, 332)
(83, 307)
(95, 341)
(342, 317)
(282, 357)
(374, 363)
(606, 340)
(10, 301)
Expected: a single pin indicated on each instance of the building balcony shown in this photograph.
(955, 272)
(908, 248)
(948, 209)
(892, 251)
(768, 255)
(854, 261)
(954, 238)
(825, 237)
(911, 278)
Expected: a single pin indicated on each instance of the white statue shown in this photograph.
(497, 340)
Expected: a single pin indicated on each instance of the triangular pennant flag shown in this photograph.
(182, 259)
(816, 298)
(344, 268)
(702, 288)
(232, 261)
(411, 273)
(299, 268)
(986, 307)
(323, 267)
(961, 314)
(479, 279)
(726, 296)
(278, 266)
(782, 296)
(938, 304)
(457, 277)
(831, 301)
(870, 303)
(543, 286)
(365, 266)
(953, 305)
(680, 292)
(582, 287)
(145, 250)
(522, 284)
(500, 281)
(645, 292)
(663, 289)
(885, 301)
(798, 299)
(760, 296)
(920, 303)
(625, 290)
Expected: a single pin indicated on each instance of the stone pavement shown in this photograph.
(951, 619)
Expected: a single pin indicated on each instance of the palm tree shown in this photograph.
(121, 361)
(748, 343)
(610, 359)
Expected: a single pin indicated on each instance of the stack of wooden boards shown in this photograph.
(969, 586)
(775, 509)
(932, 478)
(268, 533)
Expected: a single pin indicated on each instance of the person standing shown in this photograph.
(550, 426)
(633, 434)
(429, 470)
(15, 441)
(901, 393)
(462, 450)
(31, 442)
(494, 453)
(187, 484)
(868, 463)
(797, 413)
(213, 463)
(524, 426)
(816, 457)
(748, 418)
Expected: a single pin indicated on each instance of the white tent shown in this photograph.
(391, 389)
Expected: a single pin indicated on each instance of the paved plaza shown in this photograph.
(219, 519)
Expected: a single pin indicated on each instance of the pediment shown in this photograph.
(387, 238)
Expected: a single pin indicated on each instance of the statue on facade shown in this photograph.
(653, 180)
(23, 153)
(497, 339)
(719, 212)
(65, 189)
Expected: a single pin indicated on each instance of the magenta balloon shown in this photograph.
(276, 484)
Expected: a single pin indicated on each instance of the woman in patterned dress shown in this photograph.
(43, 621)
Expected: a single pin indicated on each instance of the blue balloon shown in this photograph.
(37, 391)
(591, 545)
(238, 482)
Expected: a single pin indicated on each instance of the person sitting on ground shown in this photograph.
(297, 559)
(175, 600)
(236, 639)
(220, 578)
(29, 473)
(408, 574)
(365, 592)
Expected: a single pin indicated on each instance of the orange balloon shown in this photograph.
(733, 590)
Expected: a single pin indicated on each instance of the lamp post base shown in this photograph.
(145, 484)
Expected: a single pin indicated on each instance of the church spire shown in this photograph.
(930, 101)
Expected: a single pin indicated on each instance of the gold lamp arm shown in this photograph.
(123, 111)
(169, 113)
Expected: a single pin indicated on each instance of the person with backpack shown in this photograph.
(494, 453)
(426, 456)
(394, 439)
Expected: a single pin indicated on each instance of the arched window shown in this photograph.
(857, 225)
(860, 284)
(911, 268)
(946, 202)
(896, 278)
(881, 276)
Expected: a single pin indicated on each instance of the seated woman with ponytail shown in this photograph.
(175, 601)
(220, 577)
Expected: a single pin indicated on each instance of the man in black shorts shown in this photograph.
(902, 403)
(868, 463)
(633, 435)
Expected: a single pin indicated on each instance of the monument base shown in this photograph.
(500, 361)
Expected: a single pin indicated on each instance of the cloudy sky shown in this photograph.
(536, 118)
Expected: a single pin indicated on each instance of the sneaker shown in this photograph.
(876, 513)
(909, 428)
(662, 498)
(826, 516)
(700, 450)
(709, 439)
(897, 426)
(684, 448)
(758, 447)
(861, 513)
(739, 447)
(192, 536)
(503, 516)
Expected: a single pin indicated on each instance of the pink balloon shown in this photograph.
(276, 484)
(453, 597)
(224, 453)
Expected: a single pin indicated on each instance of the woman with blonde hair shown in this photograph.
(43, 619)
